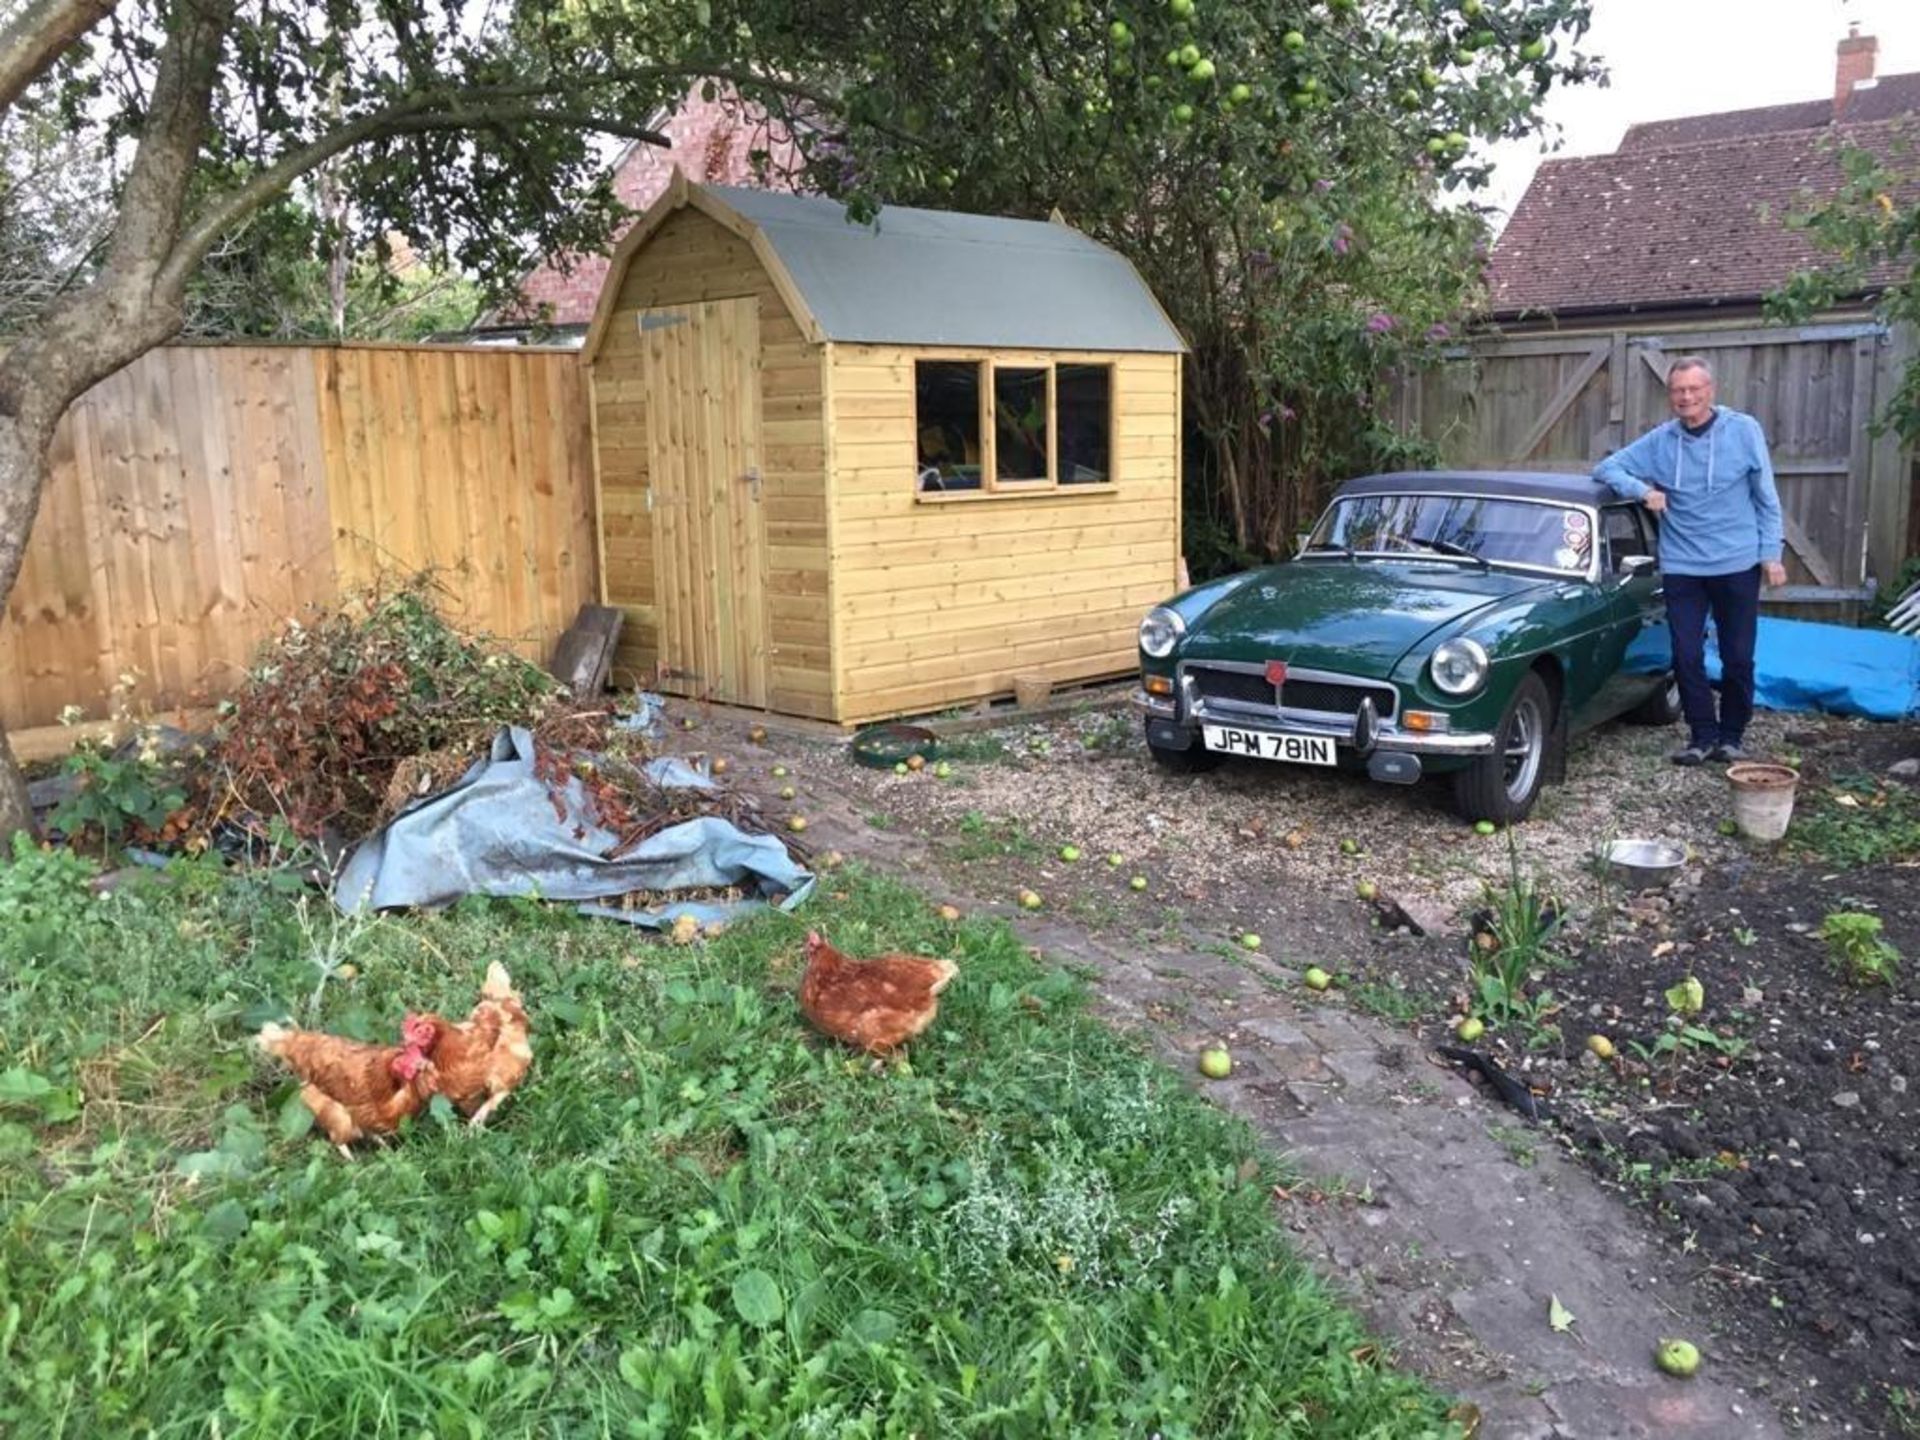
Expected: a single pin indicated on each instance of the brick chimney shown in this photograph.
(1853, 67)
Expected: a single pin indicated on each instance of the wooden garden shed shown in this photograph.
(852, 471)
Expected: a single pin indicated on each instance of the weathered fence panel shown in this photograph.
(206, 494)
(1563, 400)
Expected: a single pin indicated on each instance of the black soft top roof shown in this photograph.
(1513, 484)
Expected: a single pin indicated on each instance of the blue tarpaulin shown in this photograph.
(496, 832)
(1803, 665)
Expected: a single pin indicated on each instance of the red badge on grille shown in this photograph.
(1276, 672)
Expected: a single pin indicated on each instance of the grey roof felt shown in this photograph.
(933, 277)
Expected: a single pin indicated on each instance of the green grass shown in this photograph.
(1882, 824)
(979, 837)
(695, 1220)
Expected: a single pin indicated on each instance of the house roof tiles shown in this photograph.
(1653, 227)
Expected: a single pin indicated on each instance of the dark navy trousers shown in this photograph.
(1734, 602)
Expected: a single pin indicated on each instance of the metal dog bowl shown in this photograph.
(1645, 864)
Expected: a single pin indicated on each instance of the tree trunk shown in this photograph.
(132, 305)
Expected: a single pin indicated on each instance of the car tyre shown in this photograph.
(1660, 708)
(1194, 760)
(1502, 787)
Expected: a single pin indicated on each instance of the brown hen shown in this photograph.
(354, 1090)
(874, 1005)
(483, 1058)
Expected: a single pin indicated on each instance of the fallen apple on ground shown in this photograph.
(949, 913)
(1470, 1028)
(1367, 890)
(720, 766)
(797, 824)
(1029, 900)
(1250, 941)
(1678, 1357)
(1316, 978)
(1070, 853)
(758, 734)
(942, 770)
(1116, 859)
(916, 762)
(786, 792)
(1215, 1062)
(1138, 882)
(1485, 827)
(1601, 1046)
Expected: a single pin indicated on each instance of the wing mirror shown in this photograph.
(1632, 567)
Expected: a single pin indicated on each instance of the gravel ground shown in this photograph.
(1268, 841)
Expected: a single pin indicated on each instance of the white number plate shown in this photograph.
(1263, 745)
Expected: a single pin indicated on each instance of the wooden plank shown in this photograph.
(1562, 399)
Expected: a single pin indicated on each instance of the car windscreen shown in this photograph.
(1499, 531)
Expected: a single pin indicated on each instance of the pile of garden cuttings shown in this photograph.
(346, 721)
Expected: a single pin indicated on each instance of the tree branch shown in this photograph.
(38, 36)
(406, 119)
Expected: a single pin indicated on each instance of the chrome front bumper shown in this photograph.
(1386, 736)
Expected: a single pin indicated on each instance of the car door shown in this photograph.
(1640, 644)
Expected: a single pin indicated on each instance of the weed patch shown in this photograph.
(1859, 821)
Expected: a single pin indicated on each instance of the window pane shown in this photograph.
(946, 400)
(1084, 396)
(1624, 536)
(1020, 424)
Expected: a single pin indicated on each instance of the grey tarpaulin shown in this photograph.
(496, 833)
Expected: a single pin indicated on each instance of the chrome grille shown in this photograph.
(1245, 686)
(1332, 698)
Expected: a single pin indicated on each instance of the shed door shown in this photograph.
(701, 365)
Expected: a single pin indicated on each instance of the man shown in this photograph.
(1706, 474)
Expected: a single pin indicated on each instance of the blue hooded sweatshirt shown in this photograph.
(1723, 513)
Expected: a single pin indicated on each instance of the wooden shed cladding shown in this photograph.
(940, 602)
(687, 261)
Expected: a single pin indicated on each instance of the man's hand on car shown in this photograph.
(1655, 500)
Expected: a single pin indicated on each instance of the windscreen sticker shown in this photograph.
(1574, 522)
(1567, 558)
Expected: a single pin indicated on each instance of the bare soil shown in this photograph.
(1776, 1161)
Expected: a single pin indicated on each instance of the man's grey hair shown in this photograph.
(1690, 362)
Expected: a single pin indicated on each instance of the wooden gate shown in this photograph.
(1564, 401)
(702, 375)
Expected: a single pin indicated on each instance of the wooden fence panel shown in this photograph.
(206, 494)
(1562, 401)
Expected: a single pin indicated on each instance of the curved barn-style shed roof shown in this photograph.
(923, 277)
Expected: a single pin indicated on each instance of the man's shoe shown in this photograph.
(1695, 754)
(1726, 752)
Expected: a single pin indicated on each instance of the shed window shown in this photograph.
(986, 426)
(1020, 423)
(1083, 397)
(946, 407)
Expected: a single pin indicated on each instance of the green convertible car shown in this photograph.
(1443, 623)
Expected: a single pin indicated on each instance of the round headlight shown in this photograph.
(1460, 667)
(1160, 632)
